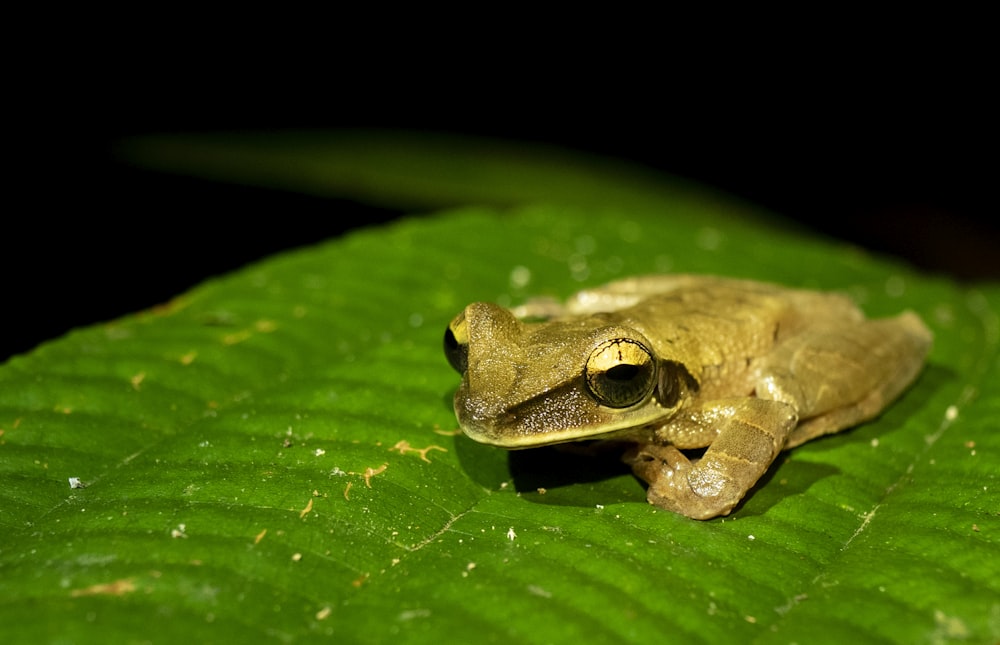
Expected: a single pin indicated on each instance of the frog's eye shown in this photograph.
(620, 373)
(456, 344)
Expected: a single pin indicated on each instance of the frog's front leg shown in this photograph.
(743, 436)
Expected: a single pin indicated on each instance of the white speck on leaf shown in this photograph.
(630, 232)
(895, 286)
(414, 613)
(538, 591)
(949, 629)
(709, 239)
(578, 267)
(520, 277)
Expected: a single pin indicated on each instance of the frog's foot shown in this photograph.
(677, 486)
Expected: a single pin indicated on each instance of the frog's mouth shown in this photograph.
(517, 441)
(558, 417)
(523, 442)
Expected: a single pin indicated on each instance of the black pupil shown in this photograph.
(622, 372)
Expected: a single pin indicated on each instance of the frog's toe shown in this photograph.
(653, 462)
(676, 495)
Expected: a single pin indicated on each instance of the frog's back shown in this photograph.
(709, 293)
(710, 298)
(719, 326)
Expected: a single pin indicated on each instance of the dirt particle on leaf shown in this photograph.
(371, 472)
(116, 588)
(305, 511)
(360, 580)
(265, 326)
(236, 337)
(404, 447)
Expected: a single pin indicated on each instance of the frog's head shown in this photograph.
(532, 384)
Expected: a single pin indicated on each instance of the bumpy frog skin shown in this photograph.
(670, 363)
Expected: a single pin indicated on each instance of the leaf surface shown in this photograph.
(273, 456)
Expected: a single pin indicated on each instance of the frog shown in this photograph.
(701, 381)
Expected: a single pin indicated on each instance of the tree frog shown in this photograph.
(664, 364)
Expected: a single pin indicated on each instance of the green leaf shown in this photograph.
(272, 456)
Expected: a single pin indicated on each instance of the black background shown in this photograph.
(899, 161)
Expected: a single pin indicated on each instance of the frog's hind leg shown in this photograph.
(839, 377)
(837, 420)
